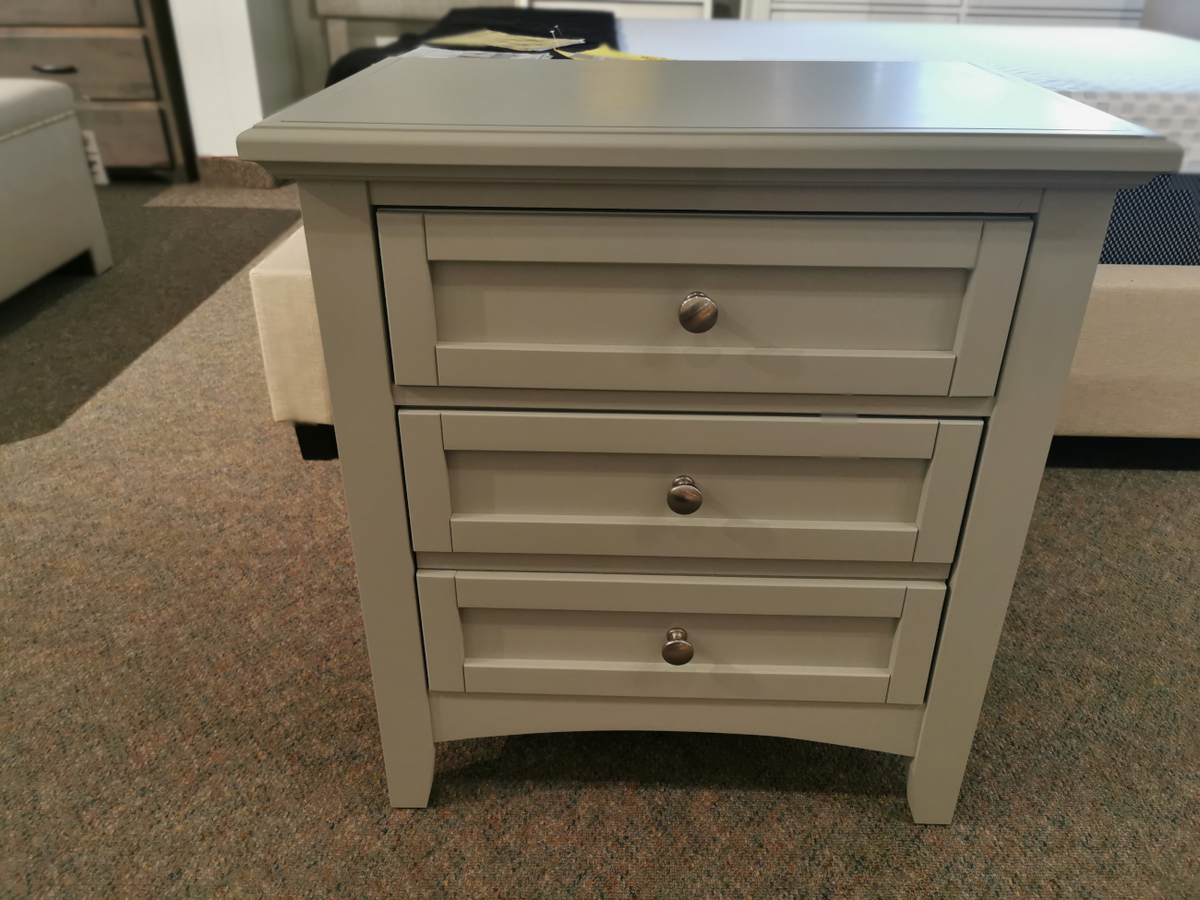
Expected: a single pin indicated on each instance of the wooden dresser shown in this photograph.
(695, 396)
(118, 56)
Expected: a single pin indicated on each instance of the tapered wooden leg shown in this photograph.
(932, 795)
(409, 767)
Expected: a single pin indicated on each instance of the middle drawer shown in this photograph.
(97, 66)
(761, 487)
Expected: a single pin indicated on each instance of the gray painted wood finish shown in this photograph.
(732, 115)
(889, 728)
(755, 639)
(339, 226)
(1062, 262)
(812, 576)
(775, 488)
(836, 305)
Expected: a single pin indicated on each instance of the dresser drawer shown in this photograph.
(130, 137)
(107, 67)
(749, 638)
(764, 487)
(916, 306)
(69, 12)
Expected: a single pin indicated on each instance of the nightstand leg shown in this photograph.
(340, 229)
(1062, 262)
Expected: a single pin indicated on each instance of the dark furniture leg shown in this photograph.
(316, 441)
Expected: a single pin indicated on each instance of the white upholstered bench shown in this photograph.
(48, 209)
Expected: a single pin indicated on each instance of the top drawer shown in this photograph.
(916, 306)
(69, 12)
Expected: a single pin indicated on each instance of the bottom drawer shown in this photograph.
(743, 638)
(129, 138)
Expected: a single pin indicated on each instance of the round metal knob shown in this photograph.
(677, 651)
(698, 313)
(684, 497)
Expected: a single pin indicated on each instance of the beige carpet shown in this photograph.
(187, 707)
(208, 197)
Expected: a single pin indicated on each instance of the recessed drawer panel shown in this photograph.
(739, 638)
(848, 305)
(109, 67)
(732, 487)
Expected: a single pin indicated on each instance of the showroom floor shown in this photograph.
(188, 708)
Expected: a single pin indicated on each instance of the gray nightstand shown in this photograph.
(695, 396)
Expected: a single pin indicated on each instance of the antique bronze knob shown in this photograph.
(698, 313)
(684, 497)
(677, 651)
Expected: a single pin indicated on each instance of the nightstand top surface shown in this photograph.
(722, 114)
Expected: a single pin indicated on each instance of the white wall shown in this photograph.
(224, 45)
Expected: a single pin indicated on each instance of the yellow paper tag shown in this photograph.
(485, 37)
(605, 52)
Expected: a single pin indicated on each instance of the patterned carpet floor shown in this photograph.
(187, 707)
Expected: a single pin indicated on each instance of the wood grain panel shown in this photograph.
(130, 136)
(69, 12)
(109, 67)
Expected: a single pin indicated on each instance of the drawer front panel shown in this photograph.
(69, 12)
(128, 138)
(753, 638)
(96, 68)
(771, 487)
(858, 305)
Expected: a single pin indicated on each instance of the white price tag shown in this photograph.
(95, 163)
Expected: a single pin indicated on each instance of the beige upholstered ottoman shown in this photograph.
(1136, 370)
(48, 209)
(286, 309)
